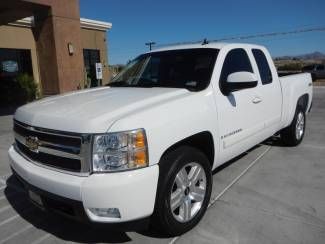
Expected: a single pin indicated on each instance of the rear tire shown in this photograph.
(294, 133)
(184, 190)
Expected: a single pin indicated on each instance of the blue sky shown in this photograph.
(138, 21)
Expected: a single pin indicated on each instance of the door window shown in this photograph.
(236, 60)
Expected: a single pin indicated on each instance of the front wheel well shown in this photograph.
(202, 141)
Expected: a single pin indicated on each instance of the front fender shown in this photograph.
(172, 121)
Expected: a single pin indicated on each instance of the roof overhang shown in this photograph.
(95, 24)
(84, 23)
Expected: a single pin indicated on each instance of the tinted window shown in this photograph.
(320, 67)
(263, 66)
(236, 61)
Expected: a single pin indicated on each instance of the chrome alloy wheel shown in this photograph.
(188, 192)
(300, 125)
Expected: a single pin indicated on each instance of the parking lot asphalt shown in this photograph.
(271, 194)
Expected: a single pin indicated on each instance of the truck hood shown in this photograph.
(93, 110)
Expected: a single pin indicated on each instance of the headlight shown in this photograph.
(120, 151)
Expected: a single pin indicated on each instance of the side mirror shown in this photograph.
(241, 80)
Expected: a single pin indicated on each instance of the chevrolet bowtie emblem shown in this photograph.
(32, 143)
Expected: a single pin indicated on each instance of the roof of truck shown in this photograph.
(216, 45)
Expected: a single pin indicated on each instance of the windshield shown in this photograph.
(187, 68)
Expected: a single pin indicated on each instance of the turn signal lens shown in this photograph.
(140, 139)
(140, 158)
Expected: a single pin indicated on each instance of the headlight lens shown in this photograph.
(120, 151)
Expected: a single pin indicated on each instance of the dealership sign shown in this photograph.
(10, 66)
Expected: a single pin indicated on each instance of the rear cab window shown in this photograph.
(263, 66)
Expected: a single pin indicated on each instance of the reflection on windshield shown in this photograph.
(187, 68)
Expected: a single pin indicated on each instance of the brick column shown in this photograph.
(54, 30)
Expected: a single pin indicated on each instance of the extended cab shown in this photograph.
(145, 146)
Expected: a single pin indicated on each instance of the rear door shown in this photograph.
(240, 123)
(270, 92)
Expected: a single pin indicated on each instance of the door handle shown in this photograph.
(257, 100)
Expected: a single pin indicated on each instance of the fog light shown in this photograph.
(106, 212)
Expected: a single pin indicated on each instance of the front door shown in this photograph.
(270, 92)
(240, 125)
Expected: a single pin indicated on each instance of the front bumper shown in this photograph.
(131, 192)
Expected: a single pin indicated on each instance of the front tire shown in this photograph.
(293, 134)
(184, 190)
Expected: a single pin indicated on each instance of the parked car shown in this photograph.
(144, 148)
(317, 71)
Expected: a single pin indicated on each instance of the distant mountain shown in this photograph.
(307, 56)
(314, 55)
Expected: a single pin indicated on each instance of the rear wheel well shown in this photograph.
(202, 141)
(303, 102)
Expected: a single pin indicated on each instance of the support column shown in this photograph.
(60, 71)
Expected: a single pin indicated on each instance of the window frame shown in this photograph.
(222, 83)
(258, 66)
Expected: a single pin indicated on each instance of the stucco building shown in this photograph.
(48, 40)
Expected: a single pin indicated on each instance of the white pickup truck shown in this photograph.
(144, 147)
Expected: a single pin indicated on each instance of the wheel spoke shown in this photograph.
(300, 126)
(181, 178)
(176, 199)
(186, 210)
(195, 174)
(197, 194)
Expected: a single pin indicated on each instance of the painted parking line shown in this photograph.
(5, 208)
(16, 233)
(3, 178)
(41, 239)
(9, 219)
(214, 200)
(27, 227)
(6, 221)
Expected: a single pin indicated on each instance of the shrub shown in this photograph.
(28, 88)
(290, 66)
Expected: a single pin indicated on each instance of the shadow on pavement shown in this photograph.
(274, 141)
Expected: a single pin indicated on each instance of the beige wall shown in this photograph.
(20, 38)
(96, 39)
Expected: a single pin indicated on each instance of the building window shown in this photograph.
(91, 57)
(12, 63)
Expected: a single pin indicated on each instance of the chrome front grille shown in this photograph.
(60, 150)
